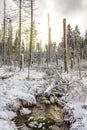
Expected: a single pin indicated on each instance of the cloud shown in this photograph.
(69, 6)
(42, 3)
(64, 6)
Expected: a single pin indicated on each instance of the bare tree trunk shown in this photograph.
(9, 42)
(78, 62)
(47, 54)
(57, 58)
(20, 61)
(31, 38)
(4, 33)
(64, 42)
(49, 38)
(39, 60)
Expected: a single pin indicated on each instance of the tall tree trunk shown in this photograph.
(31, 38)
(49, 38)
(20, 61)
(4, 33)
(64, 42)
(9, 42)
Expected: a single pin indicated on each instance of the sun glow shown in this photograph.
(55, 24)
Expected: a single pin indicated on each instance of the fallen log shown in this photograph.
(6, 76)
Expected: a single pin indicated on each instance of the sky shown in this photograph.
(75, 12)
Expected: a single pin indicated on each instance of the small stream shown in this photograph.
(43, 116)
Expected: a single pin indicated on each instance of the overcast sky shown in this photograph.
(75, 11)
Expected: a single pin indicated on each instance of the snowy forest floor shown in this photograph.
(14, 86)
(77, 95)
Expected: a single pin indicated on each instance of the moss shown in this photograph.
(45, 123)
(48, 121)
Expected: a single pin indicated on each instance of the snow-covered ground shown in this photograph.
(16, 86)
(77, 97)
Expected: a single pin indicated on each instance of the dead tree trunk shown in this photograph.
(49, 38)
(20, 62)
(64, 45)
(39, 60)
(9, 43)
(3, 53)
(31, 38)
(47, 55)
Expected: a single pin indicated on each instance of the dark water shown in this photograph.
(43, 117)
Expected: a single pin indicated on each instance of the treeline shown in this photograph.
(76, 49)
(18, 51)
